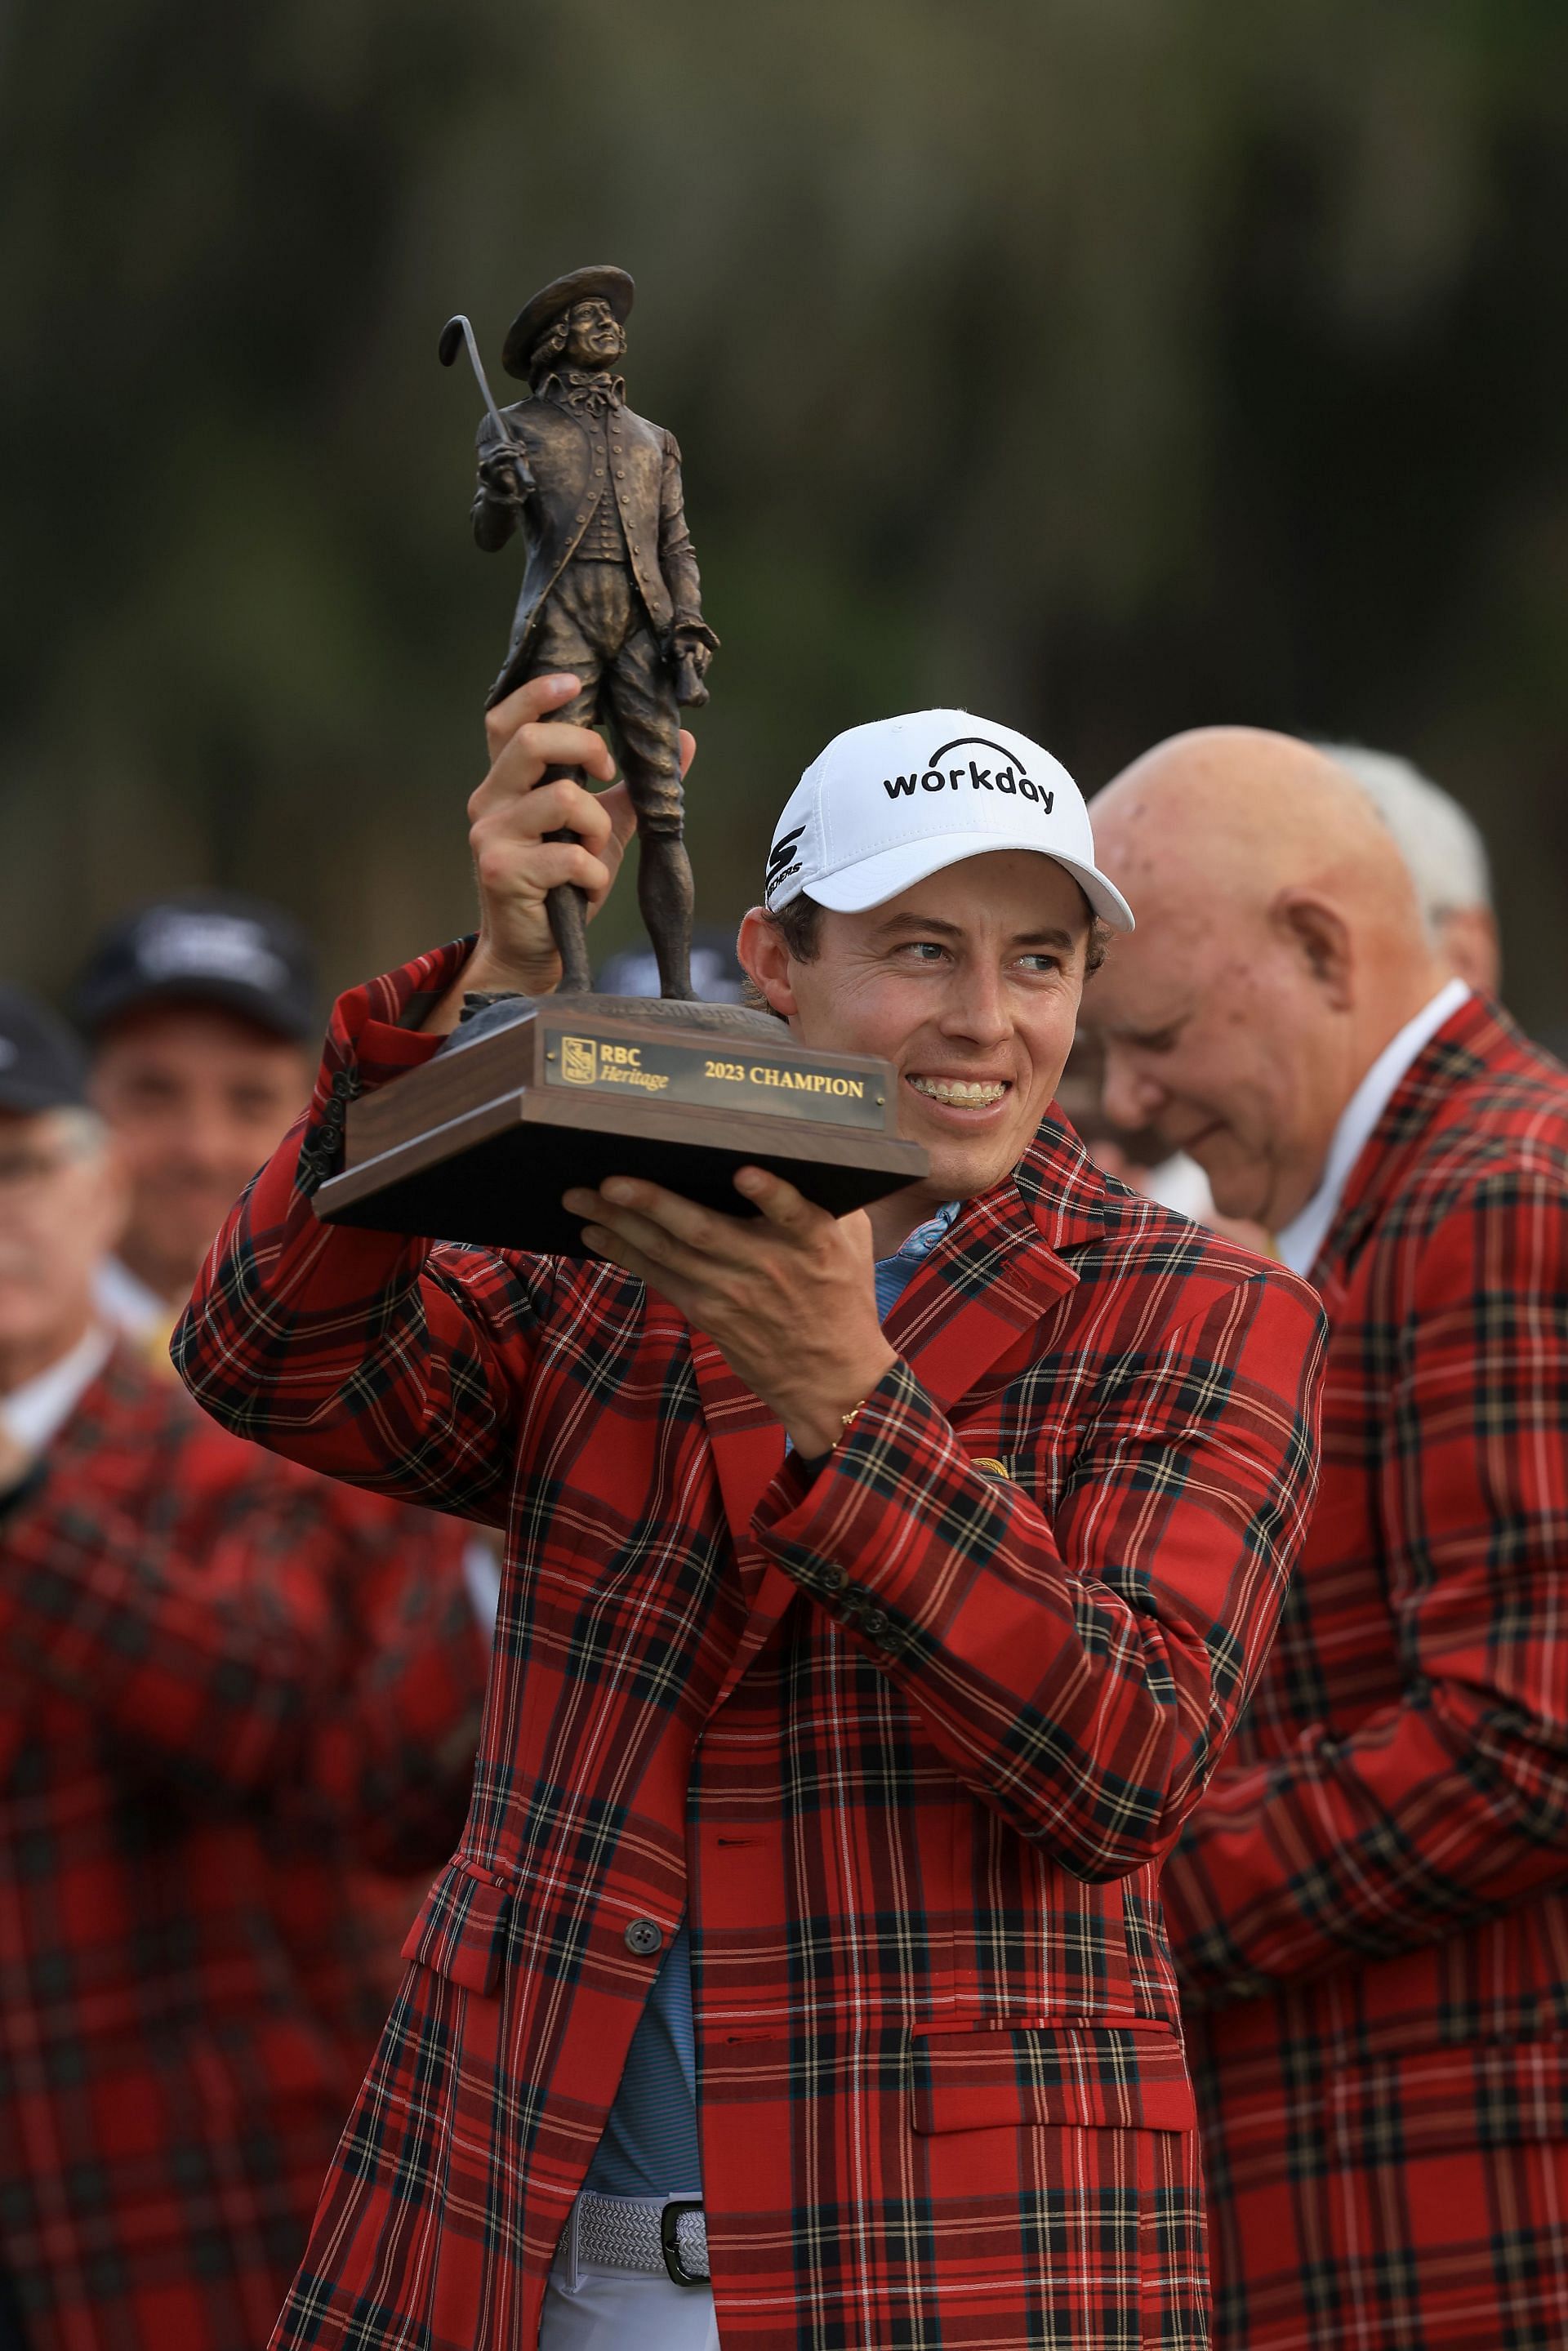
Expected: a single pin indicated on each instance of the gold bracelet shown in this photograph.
(848, 1419)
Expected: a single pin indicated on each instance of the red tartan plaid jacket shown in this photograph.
(907, 1739)
(1372, 1902)
(224, 1687)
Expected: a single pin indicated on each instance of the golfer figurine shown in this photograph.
(610, 589)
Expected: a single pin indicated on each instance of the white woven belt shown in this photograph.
(655, 2235)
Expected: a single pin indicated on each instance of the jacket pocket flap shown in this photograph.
(1434, 2101)
(1107, 2077)
(461, 1932)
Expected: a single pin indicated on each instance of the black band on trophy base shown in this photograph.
(530, 1096)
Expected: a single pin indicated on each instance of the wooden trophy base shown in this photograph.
(531, 1095)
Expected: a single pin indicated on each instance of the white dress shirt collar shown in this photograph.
(125, 1299)
(1298, 1242)
(36, 1413)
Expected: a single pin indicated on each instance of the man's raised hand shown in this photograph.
(516, 865)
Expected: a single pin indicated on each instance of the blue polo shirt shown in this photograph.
(650, 2145)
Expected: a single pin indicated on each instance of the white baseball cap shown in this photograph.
(887, 804)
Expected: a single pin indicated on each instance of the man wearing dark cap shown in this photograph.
(610, 593)
(224, 1698)
(197, 1007)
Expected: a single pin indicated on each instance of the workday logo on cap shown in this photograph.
(1005, 778)
(889, 804)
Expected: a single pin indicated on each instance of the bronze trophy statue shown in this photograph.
(610, 589)
(531, 1095)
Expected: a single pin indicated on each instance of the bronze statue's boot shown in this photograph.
(567, 907)
(666, 895)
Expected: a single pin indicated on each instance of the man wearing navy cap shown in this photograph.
(196, 1008)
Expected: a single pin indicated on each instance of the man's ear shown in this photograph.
(1318, 933)
(1469, 943)
(765, 959)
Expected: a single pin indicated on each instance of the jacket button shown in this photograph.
(874, 1622)
(644, 1937)
(834, 1578)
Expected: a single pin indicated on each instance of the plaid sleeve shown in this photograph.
(1452, 1803)
(394, 1755)
(1081, 1672)
(210, 1646)
(396, 1364)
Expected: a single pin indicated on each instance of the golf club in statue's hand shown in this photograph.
(609, 593)
(508, 470)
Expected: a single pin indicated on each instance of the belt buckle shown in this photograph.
(669, 2220)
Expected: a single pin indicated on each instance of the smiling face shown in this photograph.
(594, 336)
(969, 983)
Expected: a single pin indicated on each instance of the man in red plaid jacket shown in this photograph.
(223, 1695)
(1370, 1908)
(870, 1671)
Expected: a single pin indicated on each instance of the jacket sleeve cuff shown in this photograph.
(371, 1040)
(877, 1532)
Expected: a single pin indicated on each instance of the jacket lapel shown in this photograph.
(748, 1452)
(1000, 1268)
(984, 1286)
(1477, 1036)
(99, 1453)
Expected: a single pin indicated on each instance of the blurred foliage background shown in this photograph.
(1112, 366)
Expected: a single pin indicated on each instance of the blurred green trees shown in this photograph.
(1113, 365)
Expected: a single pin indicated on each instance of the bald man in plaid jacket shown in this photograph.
(1370, 1909)
(883, 1663)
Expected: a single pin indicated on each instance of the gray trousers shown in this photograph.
(588, 2308)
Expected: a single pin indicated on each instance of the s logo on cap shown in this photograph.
(779, 866)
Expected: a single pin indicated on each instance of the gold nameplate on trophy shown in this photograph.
(772, 1084)
(534, 1095)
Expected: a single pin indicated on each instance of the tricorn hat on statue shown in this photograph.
(577, 286)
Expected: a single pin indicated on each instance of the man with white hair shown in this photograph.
(1443, 846)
